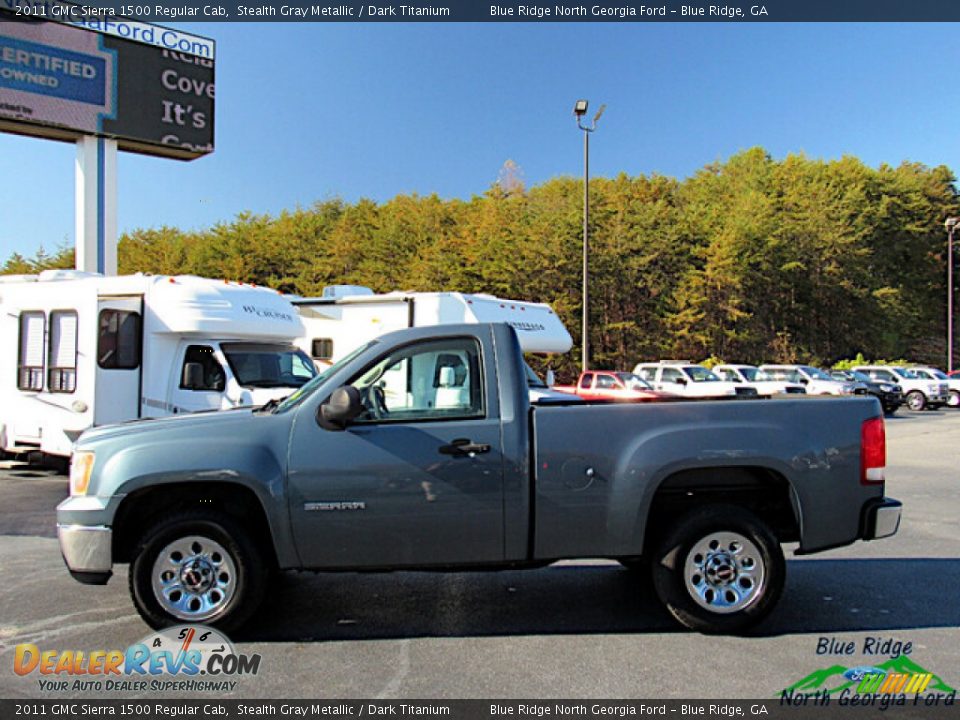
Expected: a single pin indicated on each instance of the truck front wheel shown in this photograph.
(197, 567)
(720, 570)
(916, 400)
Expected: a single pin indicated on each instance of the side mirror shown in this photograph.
(551, 378)
(342, 406)
(804, 381)
(680, 381)
(192, 376)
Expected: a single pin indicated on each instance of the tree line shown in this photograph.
(752, 259)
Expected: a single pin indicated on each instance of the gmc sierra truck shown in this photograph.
(421, 450)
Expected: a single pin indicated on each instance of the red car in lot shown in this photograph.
(611, 385)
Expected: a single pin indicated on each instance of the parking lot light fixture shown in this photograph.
(580, 110)
(951, 225)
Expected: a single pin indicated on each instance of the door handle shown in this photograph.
(463, 446)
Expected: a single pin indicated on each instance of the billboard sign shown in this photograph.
(63, 80)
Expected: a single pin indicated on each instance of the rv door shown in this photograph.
(119, 359)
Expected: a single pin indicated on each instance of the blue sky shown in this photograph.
(311, 111)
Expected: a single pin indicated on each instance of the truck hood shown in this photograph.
(193, 423)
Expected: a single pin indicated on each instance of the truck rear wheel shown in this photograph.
(720, 570)
(197, 567)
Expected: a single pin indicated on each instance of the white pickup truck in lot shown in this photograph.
(921, 393)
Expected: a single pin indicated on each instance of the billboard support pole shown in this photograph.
(96, 205)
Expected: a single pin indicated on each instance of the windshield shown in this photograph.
(633, 382)
(904, 373)
(753, 374)
(858, 376)
(307, 390)
(815, 373)
(533, 380)
(700, 374)
(267, 365)
(938, 374)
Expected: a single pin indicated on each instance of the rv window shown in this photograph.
(322, 349)
(118, 345)
(213, 376)
(62, 359)
(30, 370)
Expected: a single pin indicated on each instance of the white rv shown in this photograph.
(81, 349)
(346, 316)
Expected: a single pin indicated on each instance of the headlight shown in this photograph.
(886, 388)
(81, 467)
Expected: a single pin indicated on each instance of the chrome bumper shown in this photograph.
(87, 551)
(882, 519)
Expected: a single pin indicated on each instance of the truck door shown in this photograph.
(119, 359)
(416, 480)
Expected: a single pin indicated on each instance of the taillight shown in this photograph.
(873, 451)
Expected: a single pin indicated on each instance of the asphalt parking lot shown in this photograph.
(572, 630)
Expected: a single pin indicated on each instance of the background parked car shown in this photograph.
(816, 381)
(920, 392)
(889, 394)
(610, 385)
(753, 376)
(686, 379)
(953, 383)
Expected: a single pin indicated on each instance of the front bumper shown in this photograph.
(881, 518)
(87, 552)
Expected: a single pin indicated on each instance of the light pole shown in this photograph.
(951, 225)
(580, 110)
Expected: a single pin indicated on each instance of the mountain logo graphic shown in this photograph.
(898, 675)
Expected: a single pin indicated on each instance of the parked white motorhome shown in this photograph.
(82, 349)
(346, 316)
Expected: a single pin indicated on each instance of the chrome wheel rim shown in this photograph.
(915, 400)
(194, 578)
(724, 572)
(954, 399)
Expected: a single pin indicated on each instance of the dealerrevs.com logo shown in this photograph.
(185, 658)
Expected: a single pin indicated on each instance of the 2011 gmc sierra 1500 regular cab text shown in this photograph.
(421, 450)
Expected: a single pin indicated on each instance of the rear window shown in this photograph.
(62, 360)
(33, 327)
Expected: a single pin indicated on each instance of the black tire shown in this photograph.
(890, 409)
(674, 550)
(251, 569)
(916, 400)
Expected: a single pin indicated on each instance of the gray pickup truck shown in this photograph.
(422, 450)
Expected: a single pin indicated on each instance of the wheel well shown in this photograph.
(761, 491)
(142, 508)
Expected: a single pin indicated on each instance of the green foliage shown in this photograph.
(751, 260)
(859, 360)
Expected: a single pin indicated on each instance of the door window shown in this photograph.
(586, 381)
(118, 341)
(436, 380)
(213, 377)
(671, 375)
(606, 382)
